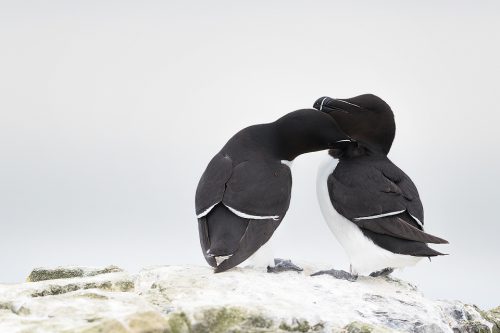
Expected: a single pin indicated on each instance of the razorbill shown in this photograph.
(371, 206)
(244, 192)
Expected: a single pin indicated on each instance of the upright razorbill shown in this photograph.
(244, 192)
(371, 206)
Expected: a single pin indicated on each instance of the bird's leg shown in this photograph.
(338, 274)
(382, 272)
(282, 265)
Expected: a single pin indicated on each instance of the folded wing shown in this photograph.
(254, 194)
(380, 198)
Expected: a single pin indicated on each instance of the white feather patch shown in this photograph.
(287, 163)
(220, 259)
(379, 215)
(206, 211)
(253, 217)
(418, 221)
(349, 103)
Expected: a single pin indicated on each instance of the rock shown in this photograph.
(492, 316)
(105, 326)
(186, 299)
(148, 322)
(62, 287)
(466, 318)
(358, 327)
(42, 274)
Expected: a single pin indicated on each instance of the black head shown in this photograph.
(367, 119)
(305, 131)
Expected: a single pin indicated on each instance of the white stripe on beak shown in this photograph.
(323, 101)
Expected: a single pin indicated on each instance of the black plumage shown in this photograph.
(244, 192)
(366, 187)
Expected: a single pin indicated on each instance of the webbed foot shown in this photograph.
(382, 272)
(282, 265)
(338, 274)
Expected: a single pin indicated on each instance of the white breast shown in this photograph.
(364, 255)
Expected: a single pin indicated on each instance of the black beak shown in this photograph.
(321, 103)
(328, 105)
(334, 108)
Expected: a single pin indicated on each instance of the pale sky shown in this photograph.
(110, 111)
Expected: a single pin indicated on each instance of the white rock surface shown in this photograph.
(194, 299)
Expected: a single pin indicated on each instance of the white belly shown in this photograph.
(364, 255)
(262, 258)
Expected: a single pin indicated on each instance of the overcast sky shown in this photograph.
(111, 110)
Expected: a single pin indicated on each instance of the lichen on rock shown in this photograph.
(493, 316)
(43, 274)
(179, 323)
(218, 320)
(359, 327)
(105, 326)
(57, 289)
(302, 326)
(149, 321)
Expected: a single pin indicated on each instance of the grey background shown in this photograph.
(110, 112)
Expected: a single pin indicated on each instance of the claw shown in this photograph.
(382, 272)
(338, 274)
(281, 265)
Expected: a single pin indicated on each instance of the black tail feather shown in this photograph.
(401, 246)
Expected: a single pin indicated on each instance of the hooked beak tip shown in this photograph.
(320, 103)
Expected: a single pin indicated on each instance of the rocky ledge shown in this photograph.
(192, 299)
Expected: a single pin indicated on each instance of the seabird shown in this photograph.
(371, 206)
(244, 192)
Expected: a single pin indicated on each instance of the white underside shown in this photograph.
(262, 258)
(364, 255)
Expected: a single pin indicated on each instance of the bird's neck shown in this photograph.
(273, 141)
(356, 150)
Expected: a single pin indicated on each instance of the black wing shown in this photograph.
(248, 202)
(212, 185)
(255, 188)
(259, 188)
(380, 198)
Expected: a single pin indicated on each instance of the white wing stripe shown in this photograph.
(378, 216)
(349, 103)
(238, 213)
(418, 221)
(248, 216)
(206, 211)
